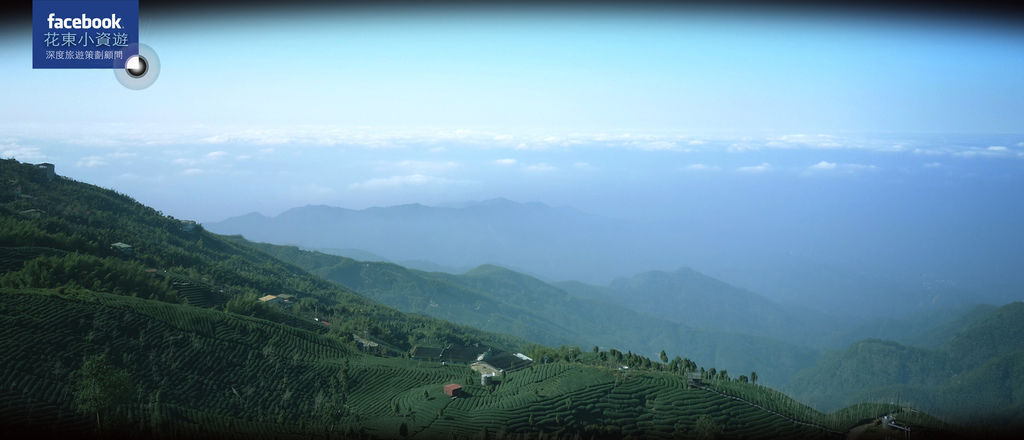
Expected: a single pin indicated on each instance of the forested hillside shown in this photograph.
(691, 298)
(975, 376)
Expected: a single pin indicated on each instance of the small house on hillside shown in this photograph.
(483, 367)
(48, 170)
(694, 377)
(270, 299)
(462, 355)
(450, 354)
(187, 225)
(124, 248)
(452, 389)
(505, 361)
(364, 343)
(427, 353)
(32, 213)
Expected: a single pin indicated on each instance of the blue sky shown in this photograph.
(549, 71)
(421, 105)
(805, 133)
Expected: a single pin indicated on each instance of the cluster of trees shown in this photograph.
(612, 357)
(100, 386)
(723, 376)
(616, 358)
(76, 271)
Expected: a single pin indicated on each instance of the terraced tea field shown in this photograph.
(196, 293)
(200, 370)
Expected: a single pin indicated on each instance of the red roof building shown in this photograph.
(452, 389)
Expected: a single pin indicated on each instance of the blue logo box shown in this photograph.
(84, 34)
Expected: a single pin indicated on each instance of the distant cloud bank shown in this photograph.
(440, 141)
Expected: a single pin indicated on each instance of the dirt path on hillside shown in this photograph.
(858, 431)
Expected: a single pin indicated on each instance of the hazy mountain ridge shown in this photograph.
(692, 298)
(503, 300)
(929, 330)
(530, 236)
(361, 255)
(973, 375)
(566, 244)
(1000, 332)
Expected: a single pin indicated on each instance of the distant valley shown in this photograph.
(561, 244)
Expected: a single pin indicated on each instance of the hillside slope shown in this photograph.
(975, 377)
(689, 297)
(931, 329)
(199, 371)
(74, 226)
(501, 300)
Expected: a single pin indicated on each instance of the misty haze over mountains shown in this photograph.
(560, 244)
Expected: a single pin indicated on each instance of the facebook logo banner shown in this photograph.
(84, 34)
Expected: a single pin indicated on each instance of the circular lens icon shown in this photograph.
(136, 66)
(138, 71)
